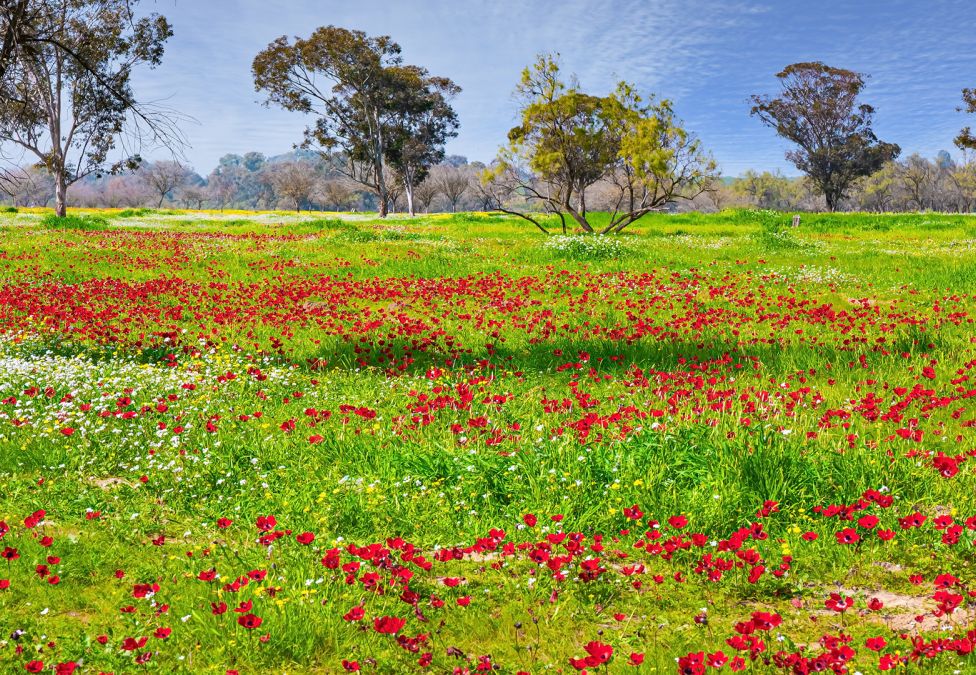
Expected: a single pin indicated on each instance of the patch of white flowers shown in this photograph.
(585, 247)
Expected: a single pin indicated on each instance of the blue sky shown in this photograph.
(708, 56)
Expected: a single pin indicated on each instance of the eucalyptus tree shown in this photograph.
(386, 119)
(818, 110)
(424, 123)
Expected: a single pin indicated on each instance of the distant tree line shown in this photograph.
(914, 183)
(301, 180)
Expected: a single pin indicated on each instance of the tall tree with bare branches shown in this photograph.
(452, 182)
(295, 181)
(164, 177)
(66, 95)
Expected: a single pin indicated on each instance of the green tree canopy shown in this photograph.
(966, 140)
(818, 110)
(570, 142)
(377, 112)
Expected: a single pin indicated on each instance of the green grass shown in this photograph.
(699, 355)
(73, 222)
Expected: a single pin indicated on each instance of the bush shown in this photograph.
(357, 236)
(776, 237)
(584, 247)
(72, 222)
(8, 209)
(133, 213)
(475, 218)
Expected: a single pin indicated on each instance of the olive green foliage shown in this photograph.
(570, 143)
(966, 140)
(74, 222)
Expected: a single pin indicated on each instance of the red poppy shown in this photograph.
(355, 614)
(388, 625)
(876, 644)
(250, 621)
(678, 522)
(837, 603)
(633, 512)
(131, 644)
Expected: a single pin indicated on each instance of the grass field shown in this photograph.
(304, 443)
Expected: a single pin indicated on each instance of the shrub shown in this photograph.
(133, 213)
(773, 236)
(357, 236)
(8, 209)
(473, 218)
(72, 222)
(329, 224)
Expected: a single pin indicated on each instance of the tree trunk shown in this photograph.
(409, 190)
(378, 165)
(580, 219)
(831, 200)
(60, 195)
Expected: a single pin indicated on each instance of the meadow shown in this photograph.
(289, 443)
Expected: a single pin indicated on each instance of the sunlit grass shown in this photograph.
(167, 369)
